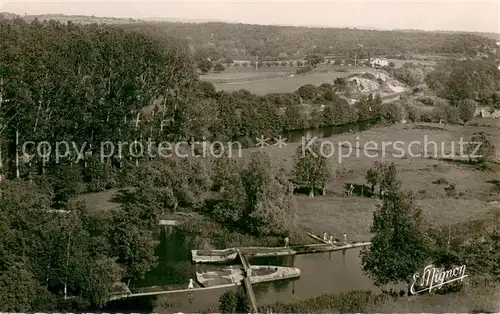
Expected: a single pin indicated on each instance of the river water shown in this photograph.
(333, 272)
(325, 132)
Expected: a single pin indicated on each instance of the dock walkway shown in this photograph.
(246, 280)
(231, 255)
(251, 295)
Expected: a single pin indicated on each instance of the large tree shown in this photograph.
(311, 168)
(399, 247)
(269, 197)
(466, 109)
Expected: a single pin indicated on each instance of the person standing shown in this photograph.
(287, 241)
(331, 239)
(191, 284)
(345, 237)
(325, 236)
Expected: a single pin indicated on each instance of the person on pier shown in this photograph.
(287, 241)
(331, 239)
(191, 284)
(325, 236)
(345, 237)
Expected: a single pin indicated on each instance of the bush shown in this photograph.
(466, 109)
(304, 70)
(227, 302)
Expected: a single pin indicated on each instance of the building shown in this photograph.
(379, 62)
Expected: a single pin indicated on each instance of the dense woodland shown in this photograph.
(90, 84)
(241, 41)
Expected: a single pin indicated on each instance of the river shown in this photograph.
(328, 131)
(333, 272)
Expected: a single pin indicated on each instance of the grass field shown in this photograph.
(399, 63)
(238, 74)
(265, 83)
(336, 213)
(276, 80)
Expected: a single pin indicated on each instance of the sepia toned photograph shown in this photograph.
(249, 156)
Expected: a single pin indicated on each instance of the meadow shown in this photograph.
(399, 63)
(276, 80)
(426, 177)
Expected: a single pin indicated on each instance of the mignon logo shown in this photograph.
(435, 278)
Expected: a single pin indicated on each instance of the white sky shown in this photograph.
(480, 16)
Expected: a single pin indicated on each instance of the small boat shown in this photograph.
(234, 275)
(214, 256)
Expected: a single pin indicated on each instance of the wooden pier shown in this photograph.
(231, 255)
(246, 281)
(155, 293)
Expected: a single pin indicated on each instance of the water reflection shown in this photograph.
(298, 135)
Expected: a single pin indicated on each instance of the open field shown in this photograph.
(286, 84)
(336, 213)
(399, 63)
(238, 74)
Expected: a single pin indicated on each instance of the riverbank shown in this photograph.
(476, 297)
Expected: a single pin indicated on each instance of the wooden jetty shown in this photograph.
(251, 295)
(155, 293)
(220, 279)
(231, 254)
(246, 281)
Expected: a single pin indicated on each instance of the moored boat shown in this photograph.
(234, 275)
(214, 256)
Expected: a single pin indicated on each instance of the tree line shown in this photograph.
(239, 41)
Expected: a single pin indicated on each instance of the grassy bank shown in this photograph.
(335, 213)
(213, 235)
(476, 297)
(272, 82)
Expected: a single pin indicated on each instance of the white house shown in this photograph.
(379, 62)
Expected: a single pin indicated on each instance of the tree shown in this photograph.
(466, 109)
(311, 168)
(307, 91)
(382, 174)
(219, 67)
(242, 303)
(269, 198)
(228, 181)
(390, 112)
(340, 84)
(20, 290)
(479, 148)
(314, 59)
(205, 65)
(399, 248)
(132, 242)
(227, 302)
(373, 178)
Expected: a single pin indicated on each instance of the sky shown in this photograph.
(474, 16)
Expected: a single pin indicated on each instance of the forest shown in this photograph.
(242, 41)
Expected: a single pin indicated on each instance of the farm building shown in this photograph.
(379, 62)
(485, 112)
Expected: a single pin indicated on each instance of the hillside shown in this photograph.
(240, 41)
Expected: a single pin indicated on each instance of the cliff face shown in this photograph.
(372, 83)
